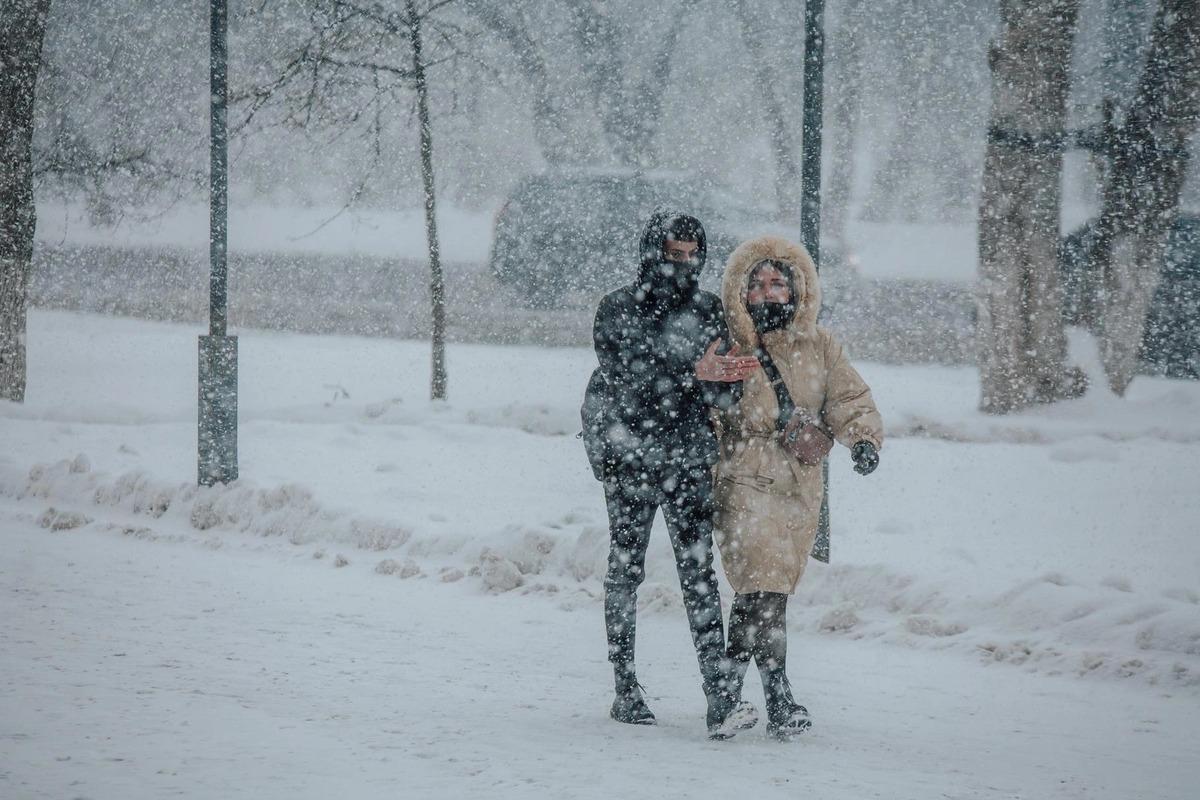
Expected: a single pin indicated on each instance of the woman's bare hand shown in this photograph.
(729, 368)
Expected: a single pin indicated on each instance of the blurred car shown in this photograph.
(1171, 337)
(577, 229)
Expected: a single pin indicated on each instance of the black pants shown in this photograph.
(685, 497)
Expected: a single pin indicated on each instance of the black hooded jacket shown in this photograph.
(648, 349)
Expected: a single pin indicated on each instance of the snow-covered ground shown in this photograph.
(941, 251)
(464, 235)
(402, 599)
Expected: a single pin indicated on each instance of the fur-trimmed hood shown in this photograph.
(737, 274)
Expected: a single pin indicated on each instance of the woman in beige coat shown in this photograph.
(768, 503)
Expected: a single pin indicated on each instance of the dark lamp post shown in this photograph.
(810, 182)
(217, 413)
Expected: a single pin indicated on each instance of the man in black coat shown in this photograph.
(657, 340)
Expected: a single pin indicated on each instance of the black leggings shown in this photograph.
(758, 631)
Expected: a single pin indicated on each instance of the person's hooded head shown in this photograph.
(771, 295)
(770, 289)
(673, 250)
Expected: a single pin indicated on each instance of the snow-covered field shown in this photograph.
(932, 251)
(402, 599)
(257, 228)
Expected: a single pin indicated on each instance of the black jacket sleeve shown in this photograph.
(606, 336)
(718, 394)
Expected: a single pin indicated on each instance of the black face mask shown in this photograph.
(771, 316)
(675, 282)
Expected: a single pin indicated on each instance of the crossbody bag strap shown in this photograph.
(786, 405)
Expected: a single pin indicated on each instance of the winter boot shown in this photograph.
(785, 717)
(725, 722)
(727, 714)
(629, 706)
(620, 618)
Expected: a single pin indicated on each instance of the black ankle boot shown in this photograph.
(620, 618)
(785, 717)
(728, 714)
(629, 706)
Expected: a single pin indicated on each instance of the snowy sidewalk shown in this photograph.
(136, 669)
(1013, 610)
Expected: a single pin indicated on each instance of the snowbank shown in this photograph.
(1062, 540)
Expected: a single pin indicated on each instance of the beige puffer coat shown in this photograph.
(767, 502)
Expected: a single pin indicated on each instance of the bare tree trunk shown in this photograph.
(926, 166)
(437, 290)
(1126, 34)
(1149, 161)
(783, 145)
(22, 29)
(883, 198)
(1022, 341)
(599, 42)
(548, 120)
(1124, 45)
(646, 104)
(846, 99)
(630, 116)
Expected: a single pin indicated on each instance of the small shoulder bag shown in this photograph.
(800, 431)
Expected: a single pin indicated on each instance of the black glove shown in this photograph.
(865, 457)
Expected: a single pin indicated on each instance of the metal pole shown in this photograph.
(814, 87)
(810, 199)
(217, 413)
(218, 214)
